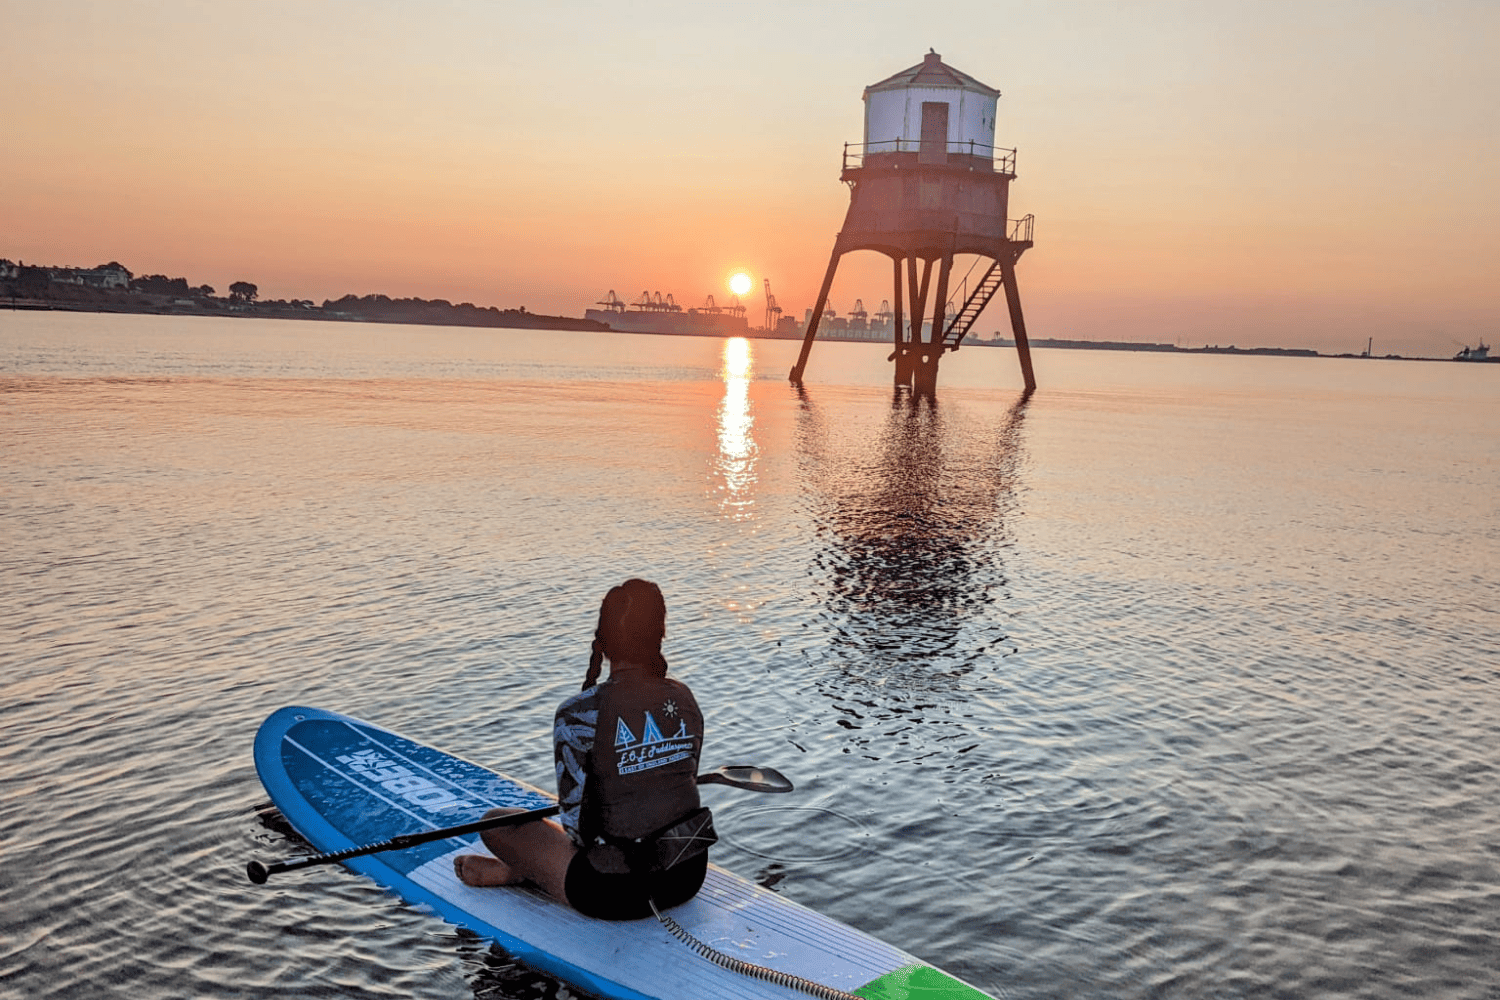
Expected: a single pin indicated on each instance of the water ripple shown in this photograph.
(1145, 693)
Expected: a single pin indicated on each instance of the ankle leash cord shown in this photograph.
(745, 968)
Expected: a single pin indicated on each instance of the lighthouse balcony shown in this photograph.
(898, 154)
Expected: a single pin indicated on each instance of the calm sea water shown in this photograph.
(1180, 679)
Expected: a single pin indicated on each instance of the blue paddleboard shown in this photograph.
(343, 783)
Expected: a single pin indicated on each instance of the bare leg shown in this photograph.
(538, 852)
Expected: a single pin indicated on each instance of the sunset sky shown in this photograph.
(1262, 173)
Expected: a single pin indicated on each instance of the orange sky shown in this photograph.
(1257, 173)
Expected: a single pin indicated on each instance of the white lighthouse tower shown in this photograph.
(926, 184)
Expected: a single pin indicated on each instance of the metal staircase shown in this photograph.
(965, 318)
(1020, 239)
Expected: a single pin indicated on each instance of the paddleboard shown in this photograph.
(343, 783)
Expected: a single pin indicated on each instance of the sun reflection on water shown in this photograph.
(735, 462)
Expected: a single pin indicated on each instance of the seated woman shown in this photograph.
(627, 764)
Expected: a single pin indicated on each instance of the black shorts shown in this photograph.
(626, 897)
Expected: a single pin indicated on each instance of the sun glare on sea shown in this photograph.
(740, 283)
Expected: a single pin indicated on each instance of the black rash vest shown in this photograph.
(627, 757)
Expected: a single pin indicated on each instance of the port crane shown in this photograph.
(773, 311)
(657, 303)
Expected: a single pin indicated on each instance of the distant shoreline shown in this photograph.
(409, 312)
(420, 312)
(1086, 345)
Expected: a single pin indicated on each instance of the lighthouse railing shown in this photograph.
(897, 152)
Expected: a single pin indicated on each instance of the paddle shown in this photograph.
(753, 779)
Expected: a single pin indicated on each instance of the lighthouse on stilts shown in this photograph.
(928, 184)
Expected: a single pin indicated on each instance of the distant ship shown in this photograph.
(1480, 353)
(657, 313)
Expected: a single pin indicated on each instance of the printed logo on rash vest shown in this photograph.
(402, 781)
(652, 749)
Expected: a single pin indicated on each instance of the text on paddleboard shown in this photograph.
(400, 780)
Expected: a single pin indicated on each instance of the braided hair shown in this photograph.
(632, 624)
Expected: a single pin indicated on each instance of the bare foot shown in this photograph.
(479, 871)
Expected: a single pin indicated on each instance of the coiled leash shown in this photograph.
(745, 968)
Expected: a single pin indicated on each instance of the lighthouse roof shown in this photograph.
(932, 72)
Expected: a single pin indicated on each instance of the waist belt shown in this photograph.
(656, 852)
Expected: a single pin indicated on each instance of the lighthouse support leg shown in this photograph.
(930, 350)
(817, 316)
(898, 328)
(1017, 321)
(906, 357)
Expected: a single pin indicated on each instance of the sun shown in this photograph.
(740, 283)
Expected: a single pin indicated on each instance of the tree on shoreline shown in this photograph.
(160, 284)
(243, 291)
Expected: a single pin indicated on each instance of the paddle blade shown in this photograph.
(748, 777)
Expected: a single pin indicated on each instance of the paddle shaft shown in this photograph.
(754, 779)
(259, 871)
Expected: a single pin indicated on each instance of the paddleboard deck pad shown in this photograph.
(343, 783)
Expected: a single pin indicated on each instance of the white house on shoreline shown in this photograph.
(111, 275)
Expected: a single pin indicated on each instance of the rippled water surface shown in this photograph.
(1179, 679)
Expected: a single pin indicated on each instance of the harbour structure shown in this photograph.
(657, 313)
(928, 184)
(773, 309)
(859, 324)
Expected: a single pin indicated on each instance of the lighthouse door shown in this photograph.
(934, 148)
